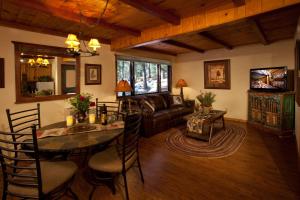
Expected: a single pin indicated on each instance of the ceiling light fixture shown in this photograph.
(73, 43)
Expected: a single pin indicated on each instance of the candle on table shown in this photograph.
(92, 118)
(69, 119)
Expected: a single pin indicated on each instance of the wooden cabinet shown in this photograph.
(272, 111)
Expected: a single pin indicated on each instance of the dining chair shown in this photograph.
(22, 120)
(31, 178)
(113, 108)
(118, 159)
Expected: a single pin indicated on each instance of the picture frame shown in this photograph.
(93, 74)
(217, 74)
(2, 75)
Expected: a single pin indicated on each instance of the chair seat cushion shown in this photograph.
(109, 161)
(54, 174)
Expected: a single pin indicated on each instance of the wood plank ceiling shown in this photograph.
(132, 17)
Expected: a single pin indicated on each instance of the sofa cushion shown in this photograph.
(157, 102)
(161, 118)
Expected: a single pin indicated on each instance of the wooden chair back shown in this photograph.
(128, 147)
(113, 107)
(23, 120)
(18, 169)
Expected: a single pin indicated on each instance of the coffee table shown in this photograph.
(196, 123)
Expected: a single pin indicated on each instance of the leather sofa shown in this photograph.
(160, 112)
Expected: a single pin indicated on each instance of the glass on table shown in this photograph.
(70, 120)
(92, 118)
(112, 118)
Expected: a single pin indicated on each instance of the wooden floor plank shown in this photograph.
(264, 167)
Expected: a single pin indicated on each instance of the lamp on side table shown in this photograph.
(180, 84)
(124, 86)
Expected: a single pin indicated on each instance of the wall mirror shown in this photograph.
(45, 73)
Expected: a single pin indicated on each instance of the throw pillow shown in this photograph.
(177, 100)
(148, 105)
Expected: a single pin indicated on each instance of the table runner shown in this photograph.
(72, 130)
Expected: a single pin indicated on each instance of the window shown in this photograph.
(144, 77)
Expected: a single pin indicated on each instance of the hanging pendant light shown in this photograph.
(94, 44)
(73, 44)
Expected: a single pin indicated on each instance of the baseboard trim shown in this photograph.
(235, 120)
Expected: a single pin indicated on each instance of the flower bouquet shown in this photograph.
(80, 105)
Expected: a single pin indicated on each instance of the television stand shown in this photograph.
(272, 111)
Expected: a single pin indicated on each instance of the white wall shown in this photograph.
(191, 68)
(53, 111)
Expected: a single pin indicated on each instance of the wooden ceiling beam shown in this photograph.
(259, 31)
(183, 45)
(238, 2)
(204, 20)
(212, 38)
(156, 51)
(72, 16)
(26, 27)
(153, 10)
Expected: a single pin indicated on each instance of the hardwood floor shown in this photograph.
(264, 167)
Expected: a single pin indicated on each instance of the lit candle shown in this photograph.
(92, 118)
(69, 120)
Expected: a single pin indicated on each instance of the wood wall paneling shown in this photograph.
(72, 16)
(297, 71)
(153, 10)
(2, 74)
(212, 18)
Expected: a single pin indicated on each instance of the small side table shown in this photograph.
(197, 121)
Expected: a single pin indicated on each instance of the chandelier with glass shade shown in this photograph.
(73, 45)
(90, 49)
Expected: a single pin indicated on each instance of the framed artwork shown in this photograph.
(2, 76)
(92, 74)
(217, 74)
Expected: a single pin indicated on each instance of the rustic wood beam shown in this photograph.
(153, 10)
(72, 16)
(205, 19)
(212, 38)
(156, 51)
(259, 31)
(1, 8)
(26, 27)
(238, 2)
(183, 45)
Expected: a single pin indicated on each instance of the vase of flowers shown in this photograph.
(206, 99)
(80, 105)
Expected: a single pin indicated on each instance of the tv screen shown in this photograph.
(274, 78)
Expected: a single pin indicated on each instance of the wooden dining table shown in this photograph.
(75, 140)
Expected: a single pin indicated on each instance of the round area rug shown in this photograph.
(223, 142)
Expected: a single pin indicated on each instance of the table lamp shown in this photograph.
(123, 86)
(180, 84)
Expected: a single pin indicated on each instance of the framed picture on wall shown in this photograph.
(217, 74)
(92, 74)
(2, 76)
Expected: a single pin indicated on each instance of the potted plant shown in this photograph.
(206, 99)
(81, 104)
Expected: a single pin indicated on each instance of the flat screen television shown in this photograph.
(269, 79)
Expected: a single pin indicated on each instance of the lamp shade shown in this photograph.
(123, 86)
(181, 83)
(72, 41)
(94, 43)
